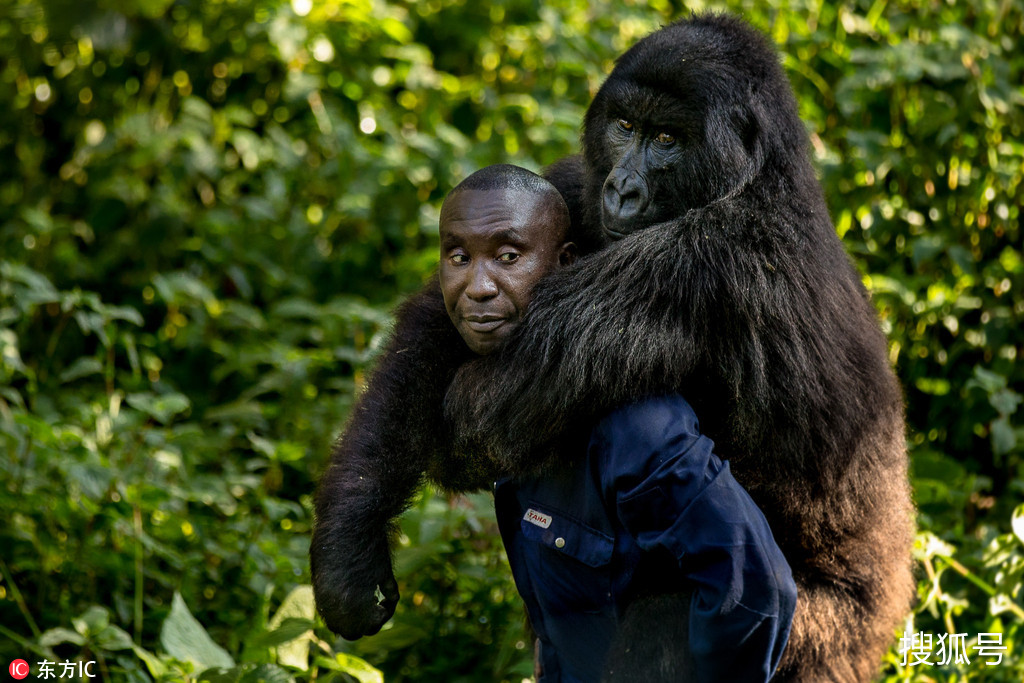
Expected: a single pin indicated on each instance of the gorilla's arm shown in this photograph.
(598, 334)
(393, 435)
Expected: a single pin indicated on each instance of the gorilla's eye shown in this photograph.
(508, 257)
(665, 138)
(626, 125)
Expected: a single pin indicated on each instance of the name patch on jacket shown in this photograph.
(538, 518)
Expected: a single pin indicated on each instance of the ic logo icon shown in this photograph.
(18, 669)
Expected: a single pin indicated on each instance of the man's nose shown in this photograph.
(481, 284)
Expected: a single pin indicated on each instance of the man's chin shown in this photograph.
(484, 343)
(482, 347)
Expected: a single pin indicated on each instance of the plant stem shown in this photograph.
(16, 594)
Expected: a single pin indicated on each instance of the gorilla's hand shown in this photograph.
(595, 336)
(357, 594)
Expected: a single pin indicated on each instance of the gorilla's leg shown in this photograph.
(651, 644)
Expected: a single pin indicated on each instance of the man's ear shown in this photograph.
(567, 254)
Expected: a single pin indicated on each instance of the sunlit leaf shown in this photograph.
(359, 669)
(185, 639)
(1017, 522)
(162, 408)
(82, 367)
(291, 628)
(58, 636)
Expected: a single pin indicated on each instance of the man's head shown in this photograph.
(502, 229)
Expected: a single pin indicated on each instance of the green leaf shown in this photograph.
(38, 285)
(358, 668)
(297, 611)
(92, 322)
(962, 257)
(396, 30)
(1003, 437)
(986, 379)
(114, 638)
(261, 444)
(288, 451)
(1005, 401)
(1017, 523)
(184, 638)
(123, 313)
(936, 386)
(298, 604)
(266, 673)
(1000, 603)
(156, 667)
(296, 308)
(247, 673)
(83, 367)
(927, 545)
(289, 630)
(59, 636)
(92, 621)
(152, 8)
(161, 408)
(92, 480)
(219, 675)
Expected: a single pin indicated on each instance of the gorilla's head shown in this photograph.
(681, 122)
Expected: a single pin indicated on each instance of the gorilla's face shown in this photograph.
(669, 131)
(645, 156)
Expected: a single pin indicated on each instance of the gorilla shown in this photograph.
(716, 273)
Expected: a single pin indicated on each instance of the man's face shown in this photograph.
(495, 245)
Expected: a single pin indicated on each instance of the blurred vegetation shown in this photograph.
(208, 209)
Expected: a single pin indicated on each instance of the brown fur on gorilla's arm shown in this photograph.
(394, 435)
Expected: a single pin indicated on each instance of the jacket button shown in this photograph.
(559, 542)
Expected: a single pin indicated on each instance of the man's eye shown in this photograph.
(509, 257)
(666, 138)
(626, 125)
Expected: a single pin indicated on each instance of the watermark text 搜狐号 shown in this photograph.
(927, 649)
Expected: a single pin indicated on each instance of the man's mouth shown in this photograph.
(484, 323)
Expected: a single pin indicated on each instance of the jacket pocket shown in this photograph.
(567, 536)
(571, 565)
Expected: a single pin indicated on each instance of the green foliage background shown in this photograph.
(208, 208)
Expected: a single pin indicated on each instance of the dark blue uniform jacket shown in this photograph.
(648, 509)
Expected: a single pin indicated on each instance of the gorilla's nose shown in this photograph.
(624, 200)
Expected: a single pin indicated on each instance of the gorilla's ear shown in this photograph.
(748, 128)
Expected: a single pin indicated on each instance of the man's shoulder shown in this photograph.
(653, 413)
(648, 426)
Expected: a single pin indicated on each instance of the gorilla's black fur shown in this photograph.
(729, 286)
(395, 434)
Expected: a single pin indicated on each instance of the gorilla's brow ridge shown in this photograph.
(652, 108)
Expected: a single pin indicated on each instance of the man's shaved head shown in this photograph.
(512, 178)
(502, 229)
